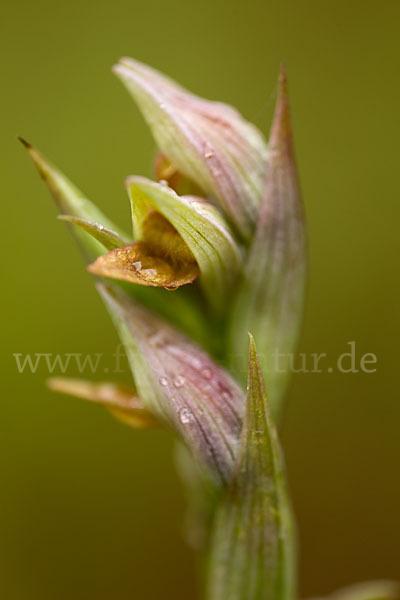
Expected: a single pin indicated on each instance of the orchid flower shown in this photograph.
(216, 250)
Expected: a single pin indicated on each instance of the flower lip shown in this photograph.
(161, 258)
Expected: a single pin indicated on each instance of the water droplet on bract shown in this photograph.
(196, 363)
(206, 372)
(137, 265)
(186, 416)
(258, 436)
(208, 151)
(179, 381)
(101, 227)
(163, 182)
(163, 381)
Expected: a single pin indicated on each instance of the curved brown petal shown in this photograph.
(162, 259)
(119, 399)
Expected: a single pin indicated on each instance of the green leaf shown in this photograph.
(252, 551)
(208, 142)
(271, 297)
(71, 201)
(179, 383)
(107, 238)
(201, 227)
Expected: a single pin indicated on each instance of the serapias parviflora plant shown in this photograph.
(213, 273)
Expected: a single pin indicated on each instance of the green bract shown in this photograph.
(253, 547)
(269, 301)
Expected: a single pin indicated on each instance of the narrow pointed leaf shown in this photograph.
(252, 553)
(270, 300)
(120, 400)
(70, 200)
(201, 227)
(107, 238)
(208, 142)
(180, 384)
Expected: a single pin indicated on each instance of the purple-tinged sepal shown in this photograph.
(208, 142)
(179, 383)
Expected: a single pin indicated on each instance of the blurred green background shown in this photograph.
(89, 508)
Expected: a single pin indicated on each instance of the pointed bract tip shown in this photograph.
(282, 84)
(27, 145)
(253, 363)
(252, 345)
(38, 159)
(281, 129)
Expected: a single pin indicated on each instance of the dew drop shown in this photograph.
(206, 372)
(137, 265)
(179, 381)
(258, 436)
(163, 381)
(208, 151)
(196, 363)
(186, 416)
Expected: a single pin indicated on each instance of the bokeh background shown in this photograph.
(89, 508)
